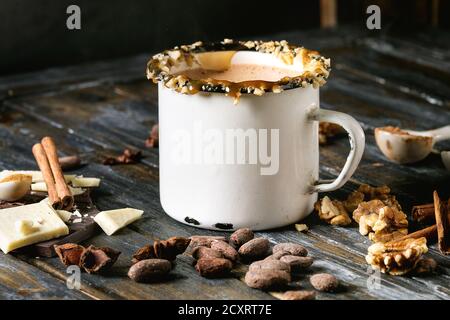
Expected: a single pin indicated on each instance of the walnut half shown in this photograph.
(332, 211)
(398, 257)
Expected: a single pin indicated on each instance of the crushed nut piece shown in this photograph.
(380, 222)
(398, 257)
(300, 227)
(332, 211)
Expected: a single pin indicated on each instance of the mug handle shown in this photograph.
(357, 144)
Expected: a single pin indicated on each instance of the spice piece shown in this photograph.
(213, 267)
(254, 249)
(269, 265)
(295, 295)
(62, 189)
(165, 249)
(429, 233)
(297, 263)
(227, 250)
(69, 253)
(397, 257)
(153, 139)
(70, 162)
(241, 236)
(440, 211)
(267, 279)
(98, 260)
(293, 248)
(332, 211)
(324, 282)
(128, 156)
(149, 270)
(423, 213)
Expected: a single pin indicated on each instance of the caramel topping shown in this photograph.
(217, 57)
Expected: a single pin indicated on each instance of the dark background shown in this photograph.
(34, 33)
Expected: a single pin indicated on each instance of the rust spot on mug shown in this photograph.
(224, 226)
(192, 221)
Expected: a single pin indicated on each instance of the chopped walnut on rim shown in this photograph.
(382, 223)
(332, 211)
(398, 257)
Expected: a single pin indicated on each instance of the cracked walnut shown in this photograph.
(398, 257)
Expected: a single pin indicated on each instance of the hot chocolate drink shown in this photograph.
(242, 72)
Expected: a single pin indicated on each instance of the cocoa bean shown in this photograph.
(297, 295)
(241, 236)
(227, 250)
(205, 252)
(297, 263)
(203, 241)
(324, 282)
(213, 267)
(277, 255)
(254, 249)
(293, 248)
(149, 270)
(267, 279)
(269, 265)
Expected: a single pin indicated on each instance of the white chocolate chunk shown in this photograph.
(16, 231)
(64, 215)
(112, 220)
(42, 187)
(83, 182)
(36, 176)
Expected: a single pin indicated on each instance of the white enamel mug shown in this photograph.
(254, 164)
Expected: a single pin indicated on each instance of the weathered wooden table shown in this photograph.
(98, 109)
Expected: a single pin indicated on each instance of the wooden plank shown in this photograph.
(20, 281)
(335, 246)
(83, 75)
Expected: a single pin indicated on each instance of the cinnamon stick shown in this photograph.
(428, 232)
(423, 213)
(70, 162)
(61, 186)
(44, 166)
(440, 211)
